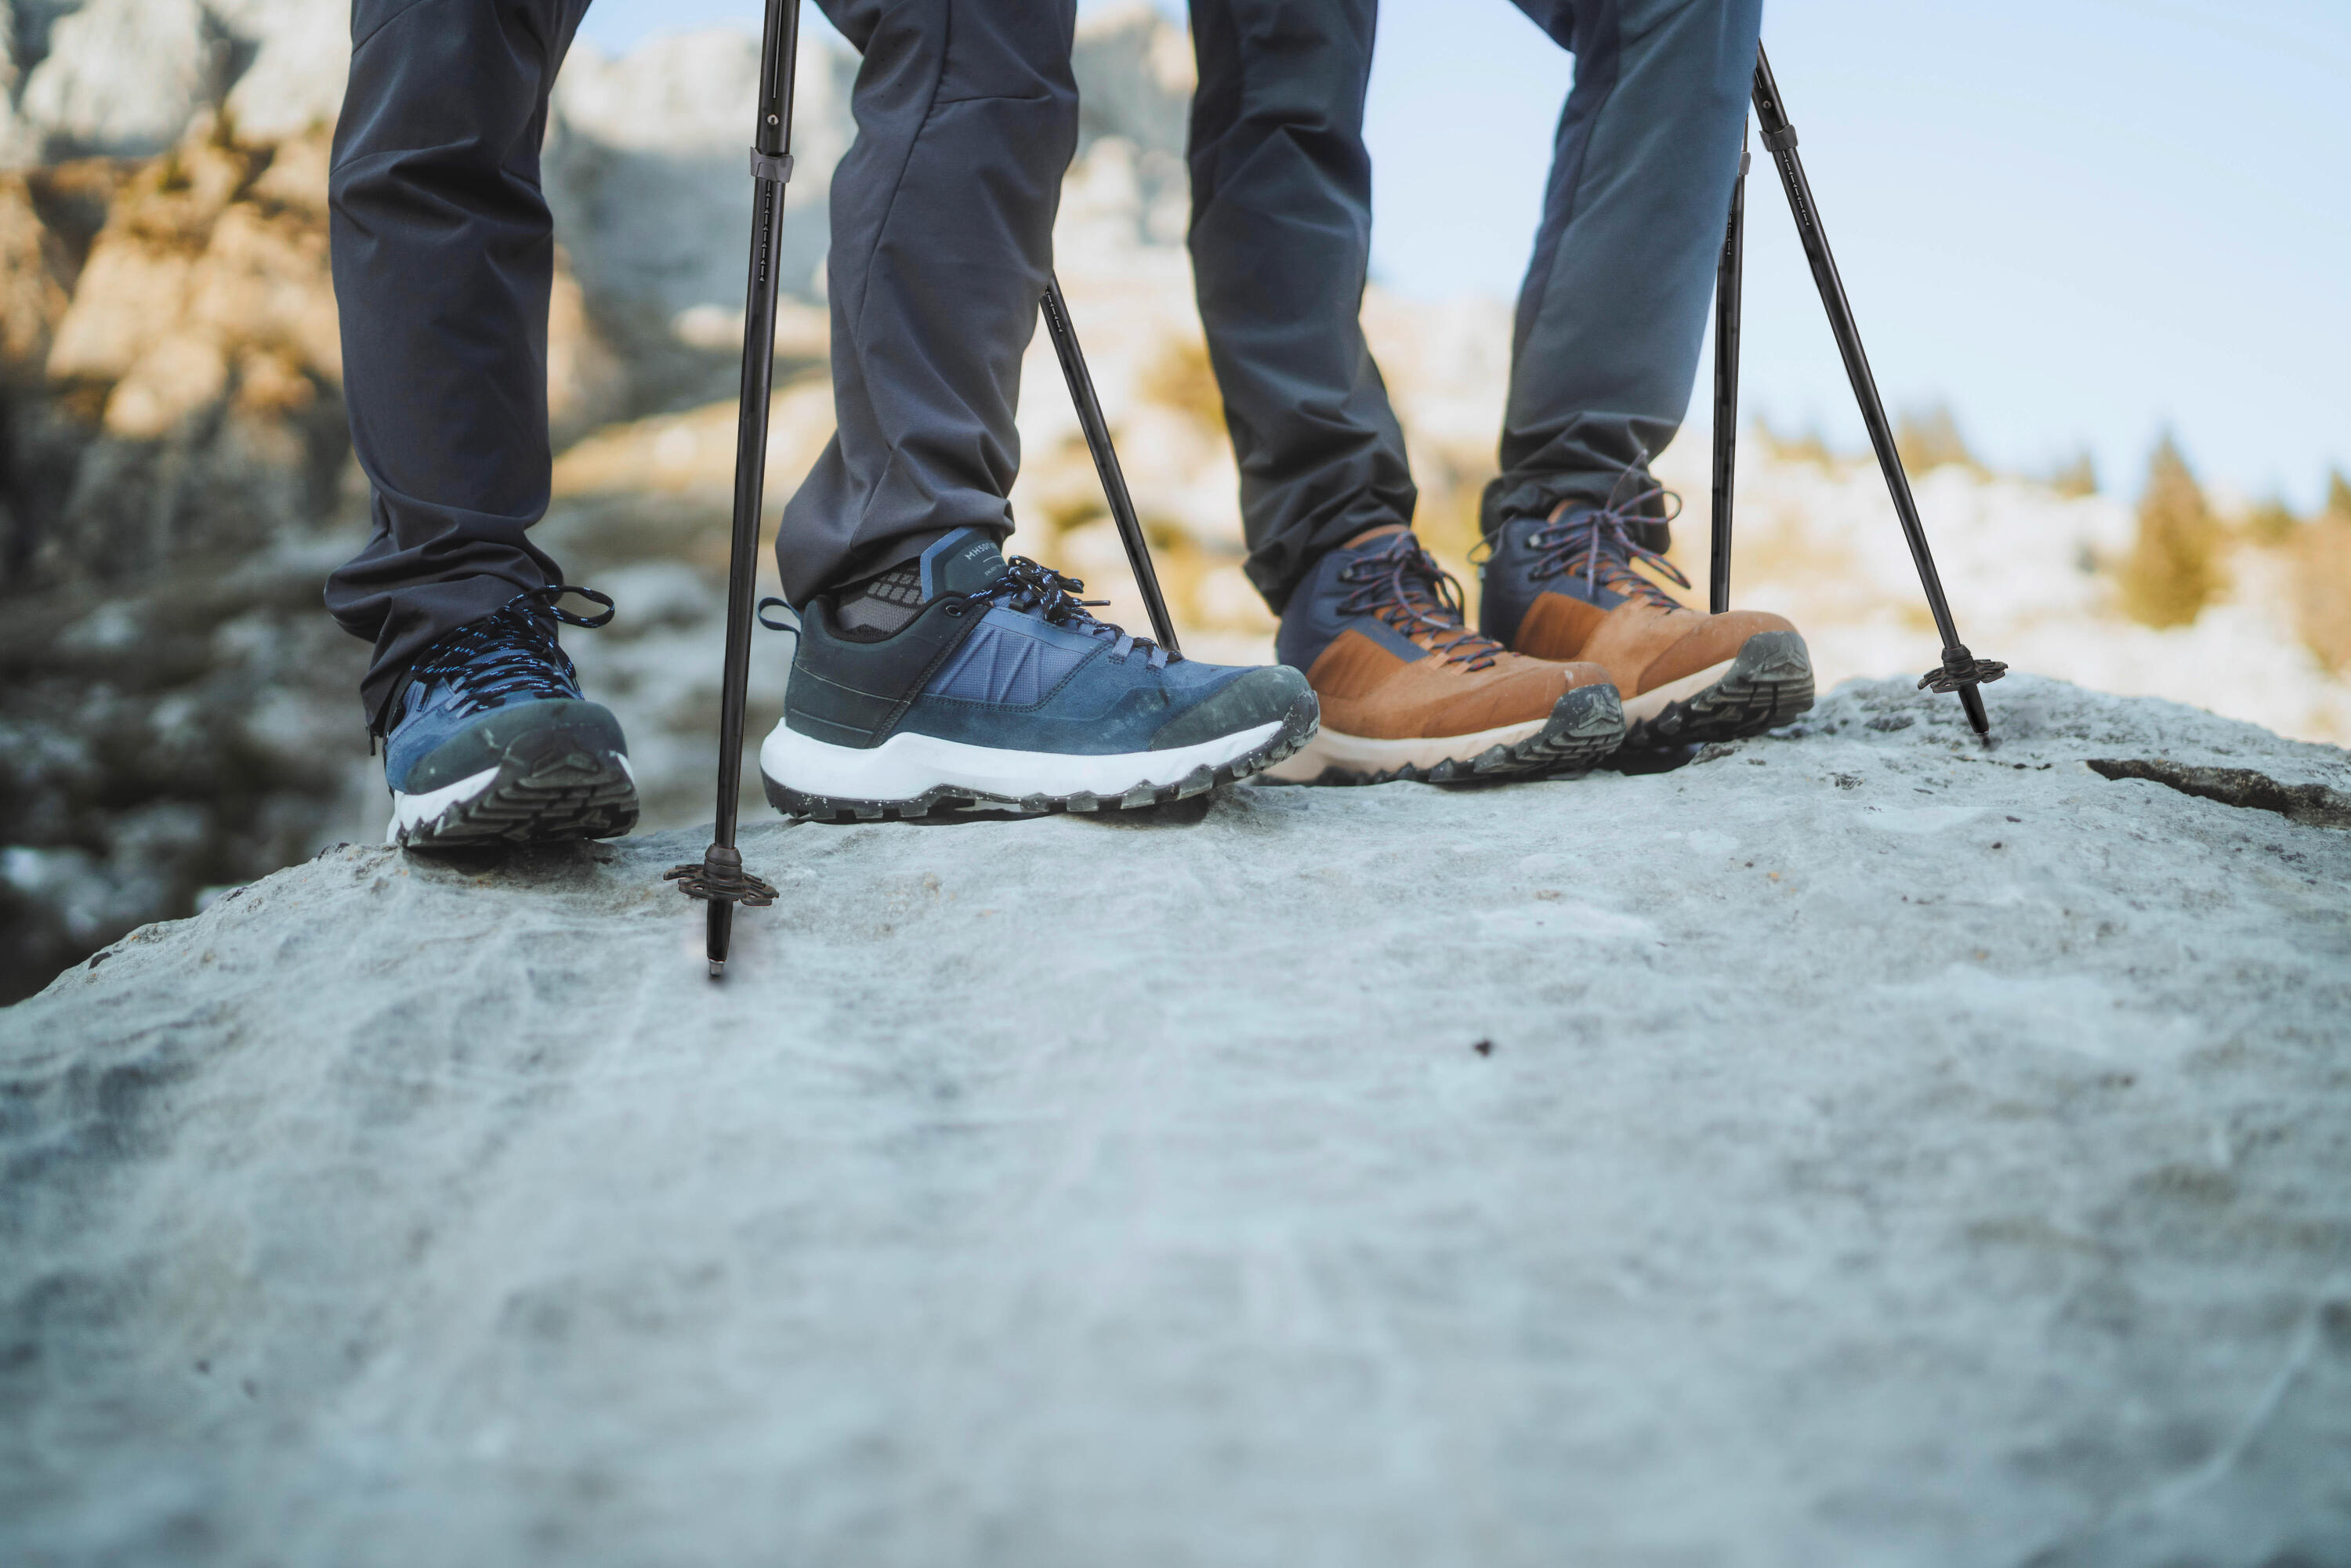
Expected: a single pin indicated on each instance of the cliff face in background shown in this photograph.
(176, 713)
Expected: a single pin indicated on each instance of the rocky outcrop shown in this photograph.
(1861, 1145)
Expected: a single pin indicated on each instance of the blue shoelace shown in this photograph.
(510, 655)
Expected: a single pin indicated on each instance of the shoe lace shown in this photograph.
(1402, 584)
(510, 654)
(1601, 542)
(1040, 591)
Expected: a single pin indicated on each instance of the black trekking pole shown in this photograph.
(1726, 285)
(718, 879)
(1097, 431)
(1960, 671)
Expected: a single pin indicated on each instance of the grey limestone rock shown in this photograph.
(1859, 1145)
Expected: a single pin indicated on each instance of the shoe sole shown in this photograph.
(1766, 685)
(550, 788)
(1157, 776)
(1585, 725)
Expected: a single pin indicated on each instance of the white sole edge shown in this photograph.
(907, 766)
(410, 813)
(1649, 704)
(1363, 754)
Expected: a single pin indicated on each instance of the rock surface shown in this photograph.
(1856, 1147)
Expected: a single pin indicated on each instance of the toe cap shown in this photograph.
(1263, 696)
(540, 725)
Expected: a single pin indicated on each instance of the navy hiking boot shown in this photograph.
(967, 682)
(1409, 691)
(490, 741)
(1570, 586)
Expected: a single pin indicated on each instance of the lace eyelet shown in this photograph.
(955, 611)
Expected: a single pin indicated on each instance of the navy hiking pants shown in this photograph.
(1610, 319)
(443, 254)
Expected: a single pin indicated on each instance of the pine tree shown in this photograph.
(2321, 578)
(2173, 568)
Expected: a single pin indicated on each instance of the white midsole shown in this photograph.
(1650, 704)
(1364, 754)
(905, 765)
(412, 811)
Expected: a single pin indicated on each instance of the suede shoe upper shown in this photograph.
(1567, 587)
(1378, 628)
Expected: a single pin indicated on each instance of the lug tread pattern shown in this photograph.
(1297, 728)
(1585, 725)
(563, 794)
(1767, 686)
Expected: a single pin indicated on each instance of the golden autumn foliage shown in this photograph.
(2173, 570)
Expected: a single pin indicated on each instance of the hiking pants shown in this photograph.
(942, 242)
(443, 254)
(1610, 319)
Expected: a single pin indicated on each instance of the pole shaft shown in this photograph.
(1113, 481)
(1779, 138)
(772, 137)
(1729, 279)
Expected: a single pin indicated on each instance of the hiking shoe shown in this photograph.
(967, 682)
(1409, 691)
(1566, 586)
(491, 742)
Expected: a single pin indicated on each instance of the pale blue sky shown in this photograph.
(2076, 220)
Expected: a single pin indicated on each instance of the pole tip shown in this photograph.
(718, 968)
(1972, 700)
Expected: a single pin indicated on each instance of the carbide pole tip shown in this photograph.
(718, 968)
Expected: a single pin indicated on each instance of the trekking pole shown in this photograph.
(1097, 431)
(1727, 284)
(718, 879)
(1960, 671)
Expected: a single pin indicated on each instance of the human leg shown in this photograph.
(1613, 309)
(1607, 336)
(443, 254)
(1281, 239)
(929, 671)
(942, 240)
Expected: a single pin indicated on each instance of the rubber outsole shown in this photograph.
(1768, 684)
(1585, 725)
(549, 788)
(1297, 728)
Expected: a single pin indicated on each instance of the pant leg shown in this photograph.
(942, 241)
(1281, 237)
(1615, 303)
(442, 254)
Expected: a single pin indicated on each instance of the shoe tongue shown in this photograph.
(964, 561)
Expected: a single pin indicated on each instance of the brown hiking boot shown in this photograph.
(1409, 691)
(1566, 586)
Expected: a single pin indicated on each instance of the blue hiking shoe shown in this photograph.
(490, 740)
(966, 681)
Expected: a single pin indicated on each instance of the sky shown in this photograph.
(2078, 223)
